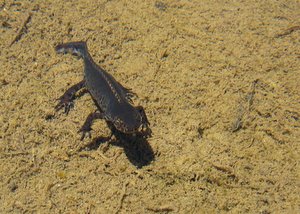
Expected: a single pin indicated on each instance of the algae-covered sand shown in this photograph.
(220, 84)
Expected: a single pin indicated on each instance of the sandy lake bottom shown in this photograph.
(220, 83)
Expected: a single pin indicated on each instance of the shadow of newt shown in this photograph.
(137, 149)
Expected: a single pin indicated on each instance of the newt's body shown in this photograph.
(112, 99)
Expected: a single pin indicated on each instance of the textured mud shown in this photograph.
(219, 81)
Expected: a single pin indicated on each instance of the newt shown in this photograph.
(113, 101)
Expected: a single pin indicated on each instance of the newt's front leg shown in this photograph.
(66, 100)
(87, 126)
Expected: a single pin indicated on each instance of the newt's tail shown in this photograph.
(75, 48)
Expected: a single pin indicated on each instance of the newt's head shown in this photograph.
(133, 121)
(75, 48)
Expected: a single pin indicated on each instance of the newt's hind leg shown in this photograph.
(87, 126)
(66, 100)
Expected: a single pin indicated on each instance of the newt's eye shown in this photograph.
(76, 52)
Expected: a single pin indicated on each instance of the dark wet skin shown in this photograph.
(112, 99)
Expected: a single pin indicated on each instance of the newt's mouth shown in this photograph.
(61, 49)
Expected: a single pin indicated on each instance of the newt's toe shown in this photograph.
(66, 104)
(86, 131)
